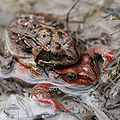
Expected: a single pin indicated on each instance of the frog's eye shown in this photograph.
(71, 76)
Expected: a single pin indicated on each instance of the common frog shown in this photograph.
(37, 40)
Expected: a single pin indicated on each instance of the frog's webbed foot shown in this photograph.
(103, 50)
(106, 58)
(41, 93)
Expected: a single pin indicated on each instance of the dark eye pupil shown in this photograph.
(71, 76)
(86, 76)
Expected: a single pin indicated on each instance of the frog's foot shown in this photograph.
(42, 95)
(103, 50)
(107, 58)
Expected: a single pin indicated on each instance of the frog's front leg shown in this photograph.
(41, 93)
(102, 50)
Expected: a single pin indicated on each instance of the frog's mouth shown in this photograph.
(86, 80)
(79, 80)
(74, 89)
(53, 58)
(77, 90)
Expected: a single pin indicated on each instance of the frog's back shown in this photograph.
(45, 35)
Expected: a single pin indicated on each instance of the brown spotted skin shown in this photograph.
(43, 36)
(48, 19)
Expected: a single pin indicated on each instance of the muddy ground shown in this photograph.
(93, 22)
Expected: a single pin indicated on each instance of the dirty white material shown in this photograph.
(17, 107)
(87, 99)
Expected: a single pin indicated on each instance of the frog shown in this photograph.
(83, 76)
(37, 40)
(33, 42)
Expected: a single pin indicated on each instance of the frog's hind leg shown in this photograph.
(6, 59)
(42, 95)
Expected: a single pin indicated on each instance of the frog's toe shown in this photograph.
(41, 94)
(107, 57)
(49, 101)
(55, 103)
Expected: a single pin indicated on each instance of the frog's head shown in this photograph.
(82, 73)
